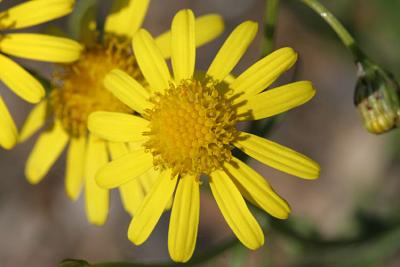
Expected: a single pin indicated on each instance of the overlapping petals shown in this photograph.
(235, 181)
(30, 46)
(87, 153)
(32, 13)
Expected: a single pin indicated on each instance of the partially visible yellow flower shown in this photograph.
(78, 91)
(30, 46)
(187, 128)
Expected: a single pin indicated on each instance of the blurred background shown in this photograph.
(353, 206)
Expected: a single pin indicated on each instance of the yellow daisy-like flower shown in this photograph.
(188, 128)
(79, 91)
(30, 46)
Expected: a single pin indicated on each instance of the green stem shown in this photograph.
(338, 27)
(271, 19)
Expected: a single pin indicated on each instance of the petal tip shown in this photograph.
(179, 258)
(32, 176)
(251, 24)
(218, 22)
(96, 221)
(71, 194)
(9, 144)
(185, 12)
(283, 215)
(134, 237)
(102, 180)
(257, 243)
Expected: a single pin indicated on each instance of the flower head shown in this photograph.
(377, 97)
(30, 46)
(187, 129)
(78, 91)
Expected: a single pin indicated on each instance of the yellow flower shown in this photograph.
(30, 46)
(188, 129)
(78, 91)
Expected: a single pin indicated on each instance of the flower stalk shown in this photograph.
(338, 27)
(377, 93)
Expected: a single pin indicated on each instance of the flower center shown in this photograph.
(79, 88)
(192, 127)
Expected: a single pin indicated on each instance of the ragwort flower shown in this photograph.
(30, 46)
(187, 129)
(78, 91)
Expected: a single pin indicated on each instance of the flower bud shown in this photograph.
(377, 97)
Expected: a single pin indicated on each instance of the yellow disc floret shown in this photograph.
(192, 127)
(79, 88)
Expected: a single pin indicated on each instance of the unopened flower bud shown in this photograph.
(377, 97)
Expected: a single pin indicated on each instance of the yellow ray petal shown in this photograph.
(276, 100)
(36, 119)
(169, 204)
(40, 47)
(183, 45)
(229, 79)
(232, 50)
(207, 28)
(117, 127)
(264, 72)
(148, 179)
(45, 152)
(75, 167)
(36, 12)
(8, 132)
(127, 90)
(235, 211)
(146, 182)
(256, 189)
(117, 149)
(133, 146)
(96, 198)
(151, 61)
(151, 208)
(124, 169)
(184, 222)
(131, 192)
(21, 82)
(278, 156)
(126, 16)
(132, 196)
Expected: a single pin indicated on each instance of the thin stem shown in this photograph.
(271, 19)
(338, 27)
